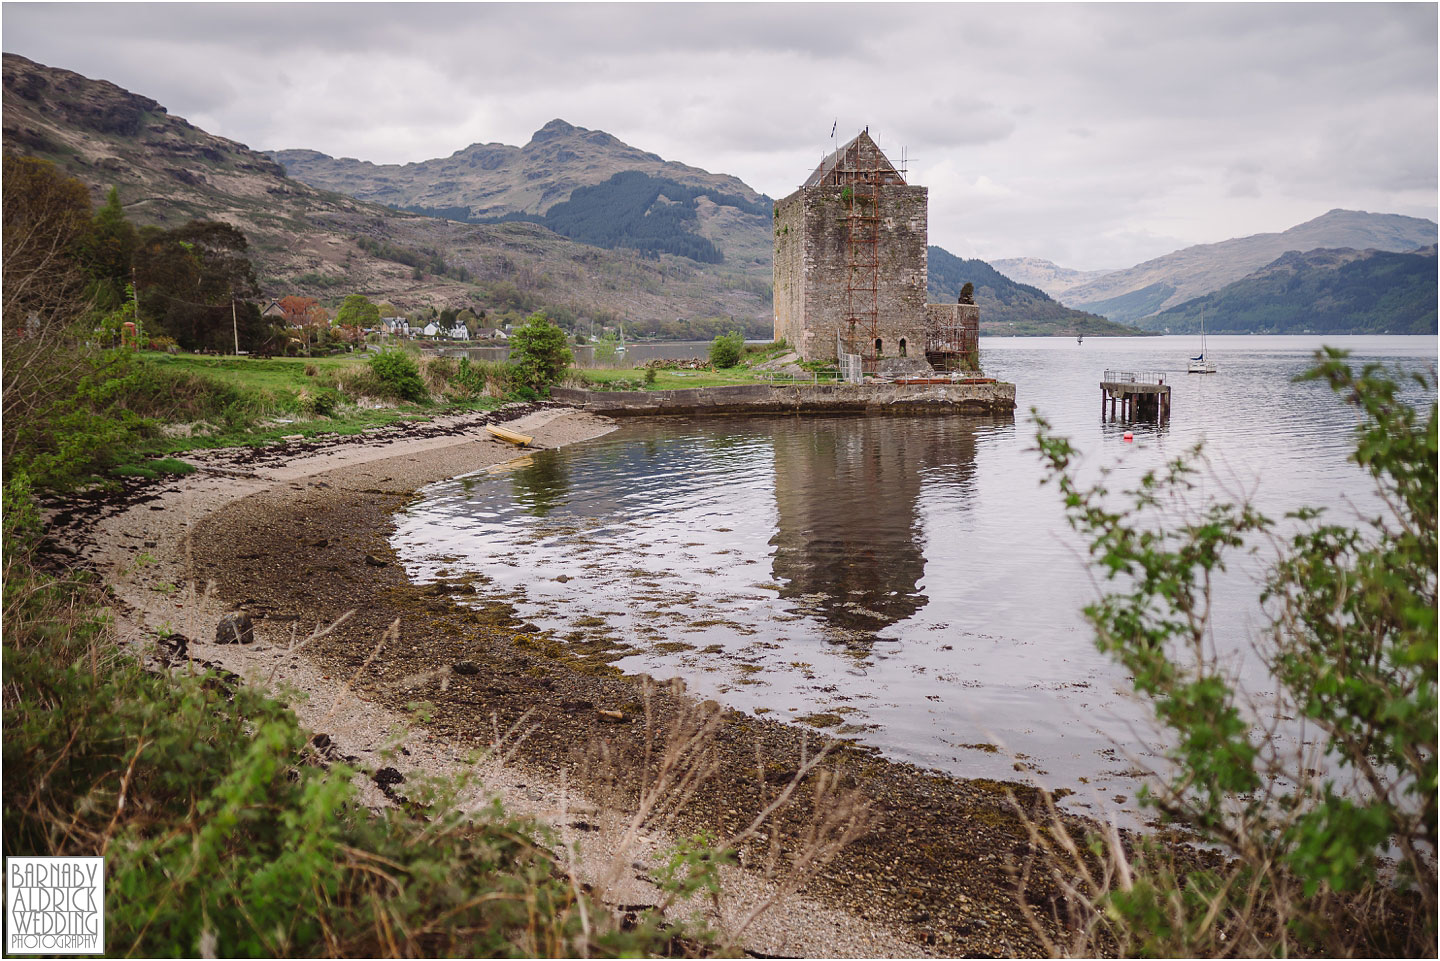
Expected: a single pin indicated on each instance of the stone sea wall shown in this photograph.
(796, 399)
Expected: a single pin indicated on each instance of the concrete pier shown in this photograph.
(1135, 395)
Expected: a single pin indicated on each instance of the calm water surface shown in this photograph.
(906, 581)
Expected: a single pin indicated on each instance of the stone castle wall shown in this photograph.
(951, 315)
(789, 274)
(812, 255)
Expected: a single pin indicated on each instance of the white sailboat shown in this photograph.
(1200, 365)
(621, 349)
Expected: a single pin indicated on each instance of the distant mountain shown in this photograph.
(306, 240)
(1049, 277)
(1321, 291)
(493, 179)
(584, 184)
(1008, 308)
(1148, 288)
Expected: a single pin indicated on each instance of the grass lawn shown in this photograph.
(278, 375)
(278, 382)
(668, 379)
(755, 354)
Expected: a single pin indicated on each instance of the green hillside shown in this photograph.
(1008, 308)
(1321, 291)
(633, 209)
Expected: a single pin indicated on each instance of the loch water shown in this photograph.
(906, 581)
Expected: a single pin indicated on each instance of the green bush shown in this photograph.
(226, 833)
(1351, 651)
(479, 378)
(539, 353)
(114, 403)
(725, 349)
(398, 376)
(319, 401)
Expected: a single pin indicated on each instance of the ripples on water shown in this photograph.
(903, 580)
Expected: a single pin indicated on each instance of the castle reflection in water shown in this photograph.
(849, 544)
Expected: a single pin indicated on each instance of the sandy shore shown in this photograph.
(297, 538)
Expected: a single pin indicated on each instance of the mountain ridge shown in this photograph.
(1008, 308)
(306, 240)
(1162, 282)
(503, 179)
(1325, 290)
(1045, 275)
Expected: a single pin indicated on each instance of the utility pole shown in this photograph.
(135, 299)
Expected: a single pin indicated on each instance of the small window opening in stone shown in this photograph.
(879, 347)
(902, 346)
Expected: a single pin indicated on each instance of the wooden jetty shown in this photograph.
(1135, 395)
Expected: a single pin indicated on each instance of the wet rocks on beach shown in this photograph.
(235, 628)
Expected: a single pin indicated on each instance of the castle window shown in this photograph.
(902, 346)
(879, 347)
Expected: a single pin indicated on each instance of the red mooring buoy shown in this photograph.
(1129, 437)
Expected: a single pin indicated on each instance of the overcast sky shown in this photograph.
(1094, 136)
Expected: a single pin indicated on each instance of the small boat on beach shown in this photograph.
(510, 436)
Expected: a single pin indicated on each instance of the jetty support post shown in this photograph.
(1135, 396)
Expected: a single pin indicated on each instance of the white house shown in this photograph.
(459, 332)
(431, 329)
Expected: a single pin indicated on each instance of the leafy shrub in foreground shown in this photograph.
(1351, 650)
(225, 834)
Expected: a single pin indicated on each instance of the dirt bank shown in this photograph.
(298, 538)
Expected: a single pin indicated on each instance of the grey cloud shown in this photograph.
(1099, 133)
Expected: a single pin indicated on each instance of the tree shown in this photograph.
(725, 349)
(967, 293)
(539, 353)
(307, 317)
(298, 311)
(108, 252)
(46, 219)
(1351, 650)
(191, 280)
(357, 311)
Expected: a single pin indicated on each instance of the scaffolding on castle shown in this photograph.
(954, 343)
(859, 332)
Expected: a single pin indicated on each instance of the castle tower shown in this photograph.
(850, 261)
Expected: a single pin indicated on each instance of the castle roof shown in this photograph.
(860, 154)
